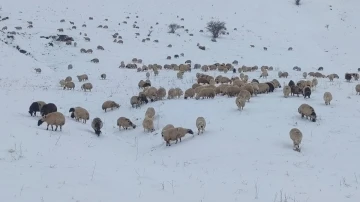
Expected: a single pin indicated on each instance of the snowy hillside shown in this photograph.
(242, 155)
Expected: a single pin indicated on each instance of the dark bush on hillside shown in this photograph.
(216, 28)
(173, 27)
(297, 2)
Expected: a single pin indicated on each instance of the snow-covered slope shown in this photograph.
(242, 156)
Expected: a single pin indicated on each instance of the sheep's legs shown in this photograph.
(47, 128)
(56, 128)
(60, 128)
(52, 127)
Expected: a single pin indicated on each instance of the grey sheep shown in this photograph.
(125, 123)
(307, 111)
(100, 48)
(70, 66)
(67, 79)
(296, 137)
(38, 70)
(87, 86)
(97, 124)
(53, 119)
(189, 93)
(109, 104)
(175, 134)
(160, 93)
(205, 93)
(83, 77)
(95, 60)
(135, 101)
(69, 85)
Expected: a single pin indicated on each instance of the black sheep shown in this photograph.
(271, 86)
(146, 85)
(254, 81)
(348, 77)
(307, 92)
(291, 83)
(358, 69)
(34, 107)
(234, 70)
(48, 108)
(321, 69)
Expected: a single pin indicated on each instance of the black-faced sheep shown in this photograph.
(36, 107)
(148, 124)
(69, 85)
(83, 77)
(48, 108)
(53, 119)
(168, 126)
(291, 83)
(189, 93)
(271, 86)
(135, 101)
(110, 104)
(240, 103)
(296, 137)
(307, 111)
(79, 113)
(125, 123)
(296, 90)
(97, 124)
(175, 134)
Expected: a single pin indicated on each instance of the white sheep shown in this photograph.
(327, 98)
(109, 104)
(148, 124)
(53, 119)
(200, 124)
(87, 86)
(240, 103)
(286, 91)
(79, 113)
(357, 88)
(69, 85)
(168, 126)
(296, 137)
(150, 112)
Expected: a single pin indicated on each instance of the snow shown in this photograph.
(242, 156)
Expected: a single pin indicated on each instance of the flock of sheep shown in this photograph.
(206, 87)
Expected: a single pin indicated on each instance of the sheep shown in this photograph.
(54, 118)
(160, 93)
(38, 70)
(97, 124)
(150, 112)
(103, 76)
(291, 83)
(142, 98)
(100, 48)
(205, 93)
(307, 111)
(180, 75)
(125, 123)
(245, 95)
(286, 91)
(331, 77)
(327, 98)
(175, 133)
(295, 90)
(168, 126)
(79, 113)
(36, 107)
(276, 83)
(69, 85)
(151, 93)
(249, 88)
(263, 88)
(348, 77)
(147, 75)
(178, 92)
(264, 74)
(135, 101)
(148, 124)
(304, 75)
(83, 77)
(95, 60)
(271, 86)
(314, 82)
(189, 93)
(307, 92)
(48, 108)
(232, 91)
(110, 104)
(171, 93)
(357, 88)
(67, 79)
(87, 86)
(202, 80)
(296, 137)
(200, 124)
(62, 82)
(240, 103)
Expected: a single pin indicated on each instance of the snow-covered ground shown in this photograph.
(242, 156)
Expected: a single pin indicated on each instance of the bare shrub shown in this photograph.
(216, 28)
(173, 27)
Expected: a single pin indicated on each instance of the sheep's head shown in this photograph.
(72, 115)
(72, 109)
(313, 117)
(190, 131)
(133, 125)
(297, 148)
(98, 132)
(40, 122)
